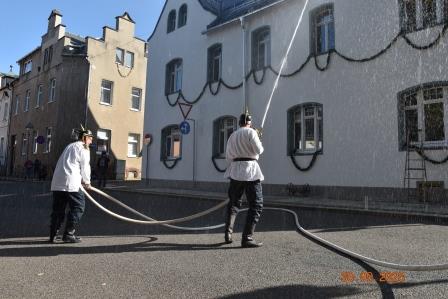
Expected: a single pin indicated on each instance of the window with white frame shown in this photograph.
(261, 48)
(305, 129)
(119, 56)
(171, 25)
(106, 92)
(39, 95)
(223, 127)
(173, 82)
(133, 145)
(323, 32)
(24, 144)
(35, 143)
(26, 104)
(422, 120)
(171, 144)
(52, 91)
(129, 59)
(214, 63)
(16, 110)
(49, 133)
(103, 141)
(136, 98)
(28, 66)
(5, 112)
(420, 14)
(182, 16)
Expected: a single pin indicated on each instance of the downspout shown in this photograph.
(243, 30)
(87, 92)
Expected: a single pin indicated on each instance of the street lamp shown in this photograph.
(147, 141)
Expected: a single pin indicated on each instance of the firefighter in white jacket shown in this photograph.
(72, 170)
(243, 150)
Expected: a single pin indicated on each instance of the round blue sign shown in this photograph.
(184, 127)
(40, 139)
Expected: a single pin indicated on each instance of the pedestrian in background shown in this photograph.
(103, 165)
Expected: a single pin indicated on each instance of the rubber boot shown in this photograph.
(69, 236)
(247, 240)
(229, 228)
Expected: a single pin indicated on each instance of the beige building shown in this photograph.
(70, 80)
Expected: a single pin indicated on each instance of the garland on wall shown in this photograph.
(164, 161)
(424, 156)
(310, 165)
(259, 81)
(214, 157)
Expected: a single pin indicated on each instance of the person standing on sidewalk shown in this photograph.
(103, 165)
(72, 170)
(243, 150)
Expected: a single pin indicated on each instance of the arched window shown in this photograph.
(182, 16)
(171, 143)
(305, 129)
(223, 127)
(261, 48)
(421, 116)
(173, 82)
(171, 21)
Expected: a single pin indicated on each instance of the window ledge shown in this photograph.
(308, 153)
(135, 110)
(105, 104)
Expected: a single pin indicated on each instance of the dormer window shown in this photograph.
(171, 21)
(182, 16)
(28, 66)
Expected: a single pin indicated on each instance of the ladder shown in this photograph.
(415, 168)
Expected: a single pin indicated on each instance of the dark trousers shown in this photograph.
(254, 195)
(102, 177)
(76, 203)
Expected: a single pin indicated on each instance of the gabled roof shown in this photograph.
(11, 75)
(126, 16)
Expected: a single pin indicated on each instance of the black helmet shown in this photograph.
(245, 118)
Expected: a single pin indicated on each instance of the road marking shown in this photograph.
(7, 195)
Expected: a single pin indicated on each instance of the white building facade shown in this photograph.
(363, 80)
(5, 105)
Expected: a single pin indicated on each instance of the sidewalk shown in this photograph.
(434, 210)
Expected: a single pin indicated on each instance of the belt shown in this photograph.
(244, 159)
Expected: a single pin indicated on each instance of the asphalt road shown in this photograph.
(118, 260)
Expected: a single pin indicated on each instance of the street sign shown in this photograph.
(148, 139)
(184, 127)
(185, 108)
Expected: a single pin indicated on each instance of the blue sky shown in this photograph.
(25, 21)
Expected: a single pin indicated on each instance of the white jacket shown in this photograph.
(73, 167)
(244, 143)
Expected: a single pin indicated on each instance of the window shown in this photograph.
(135, 98)
(171, 21)
(52, 91)
(24, 144)
(171, 143)
(5, 112)
(182, 16)
(305, 129)
(323, 33)
(35, 143)
(214, 63)
(261, 48)
(46, 56)
(222, 129)
(173, 81)
(422, 116)
(26, 105)
(119, 56)
(420, 14)
(16, 110)
(2, 143)
(28, 66)
(49, 132)
(133, 145)
(39, 95)
(50, 54)
(106, 92)
(129, 59)
(102, 141)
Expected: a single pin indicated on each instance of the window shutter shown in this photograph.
(163, 144)
(290, 131)
(216, 136)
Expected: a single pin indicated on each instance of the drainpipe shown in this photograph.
(87, 92)
(243, 30)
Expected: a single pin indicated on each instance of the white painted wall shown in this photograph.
(359, 99)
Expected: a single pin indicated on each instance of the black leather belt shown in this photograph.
(244, 159)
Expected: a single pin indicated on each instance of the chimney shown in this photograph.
(54, 19)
